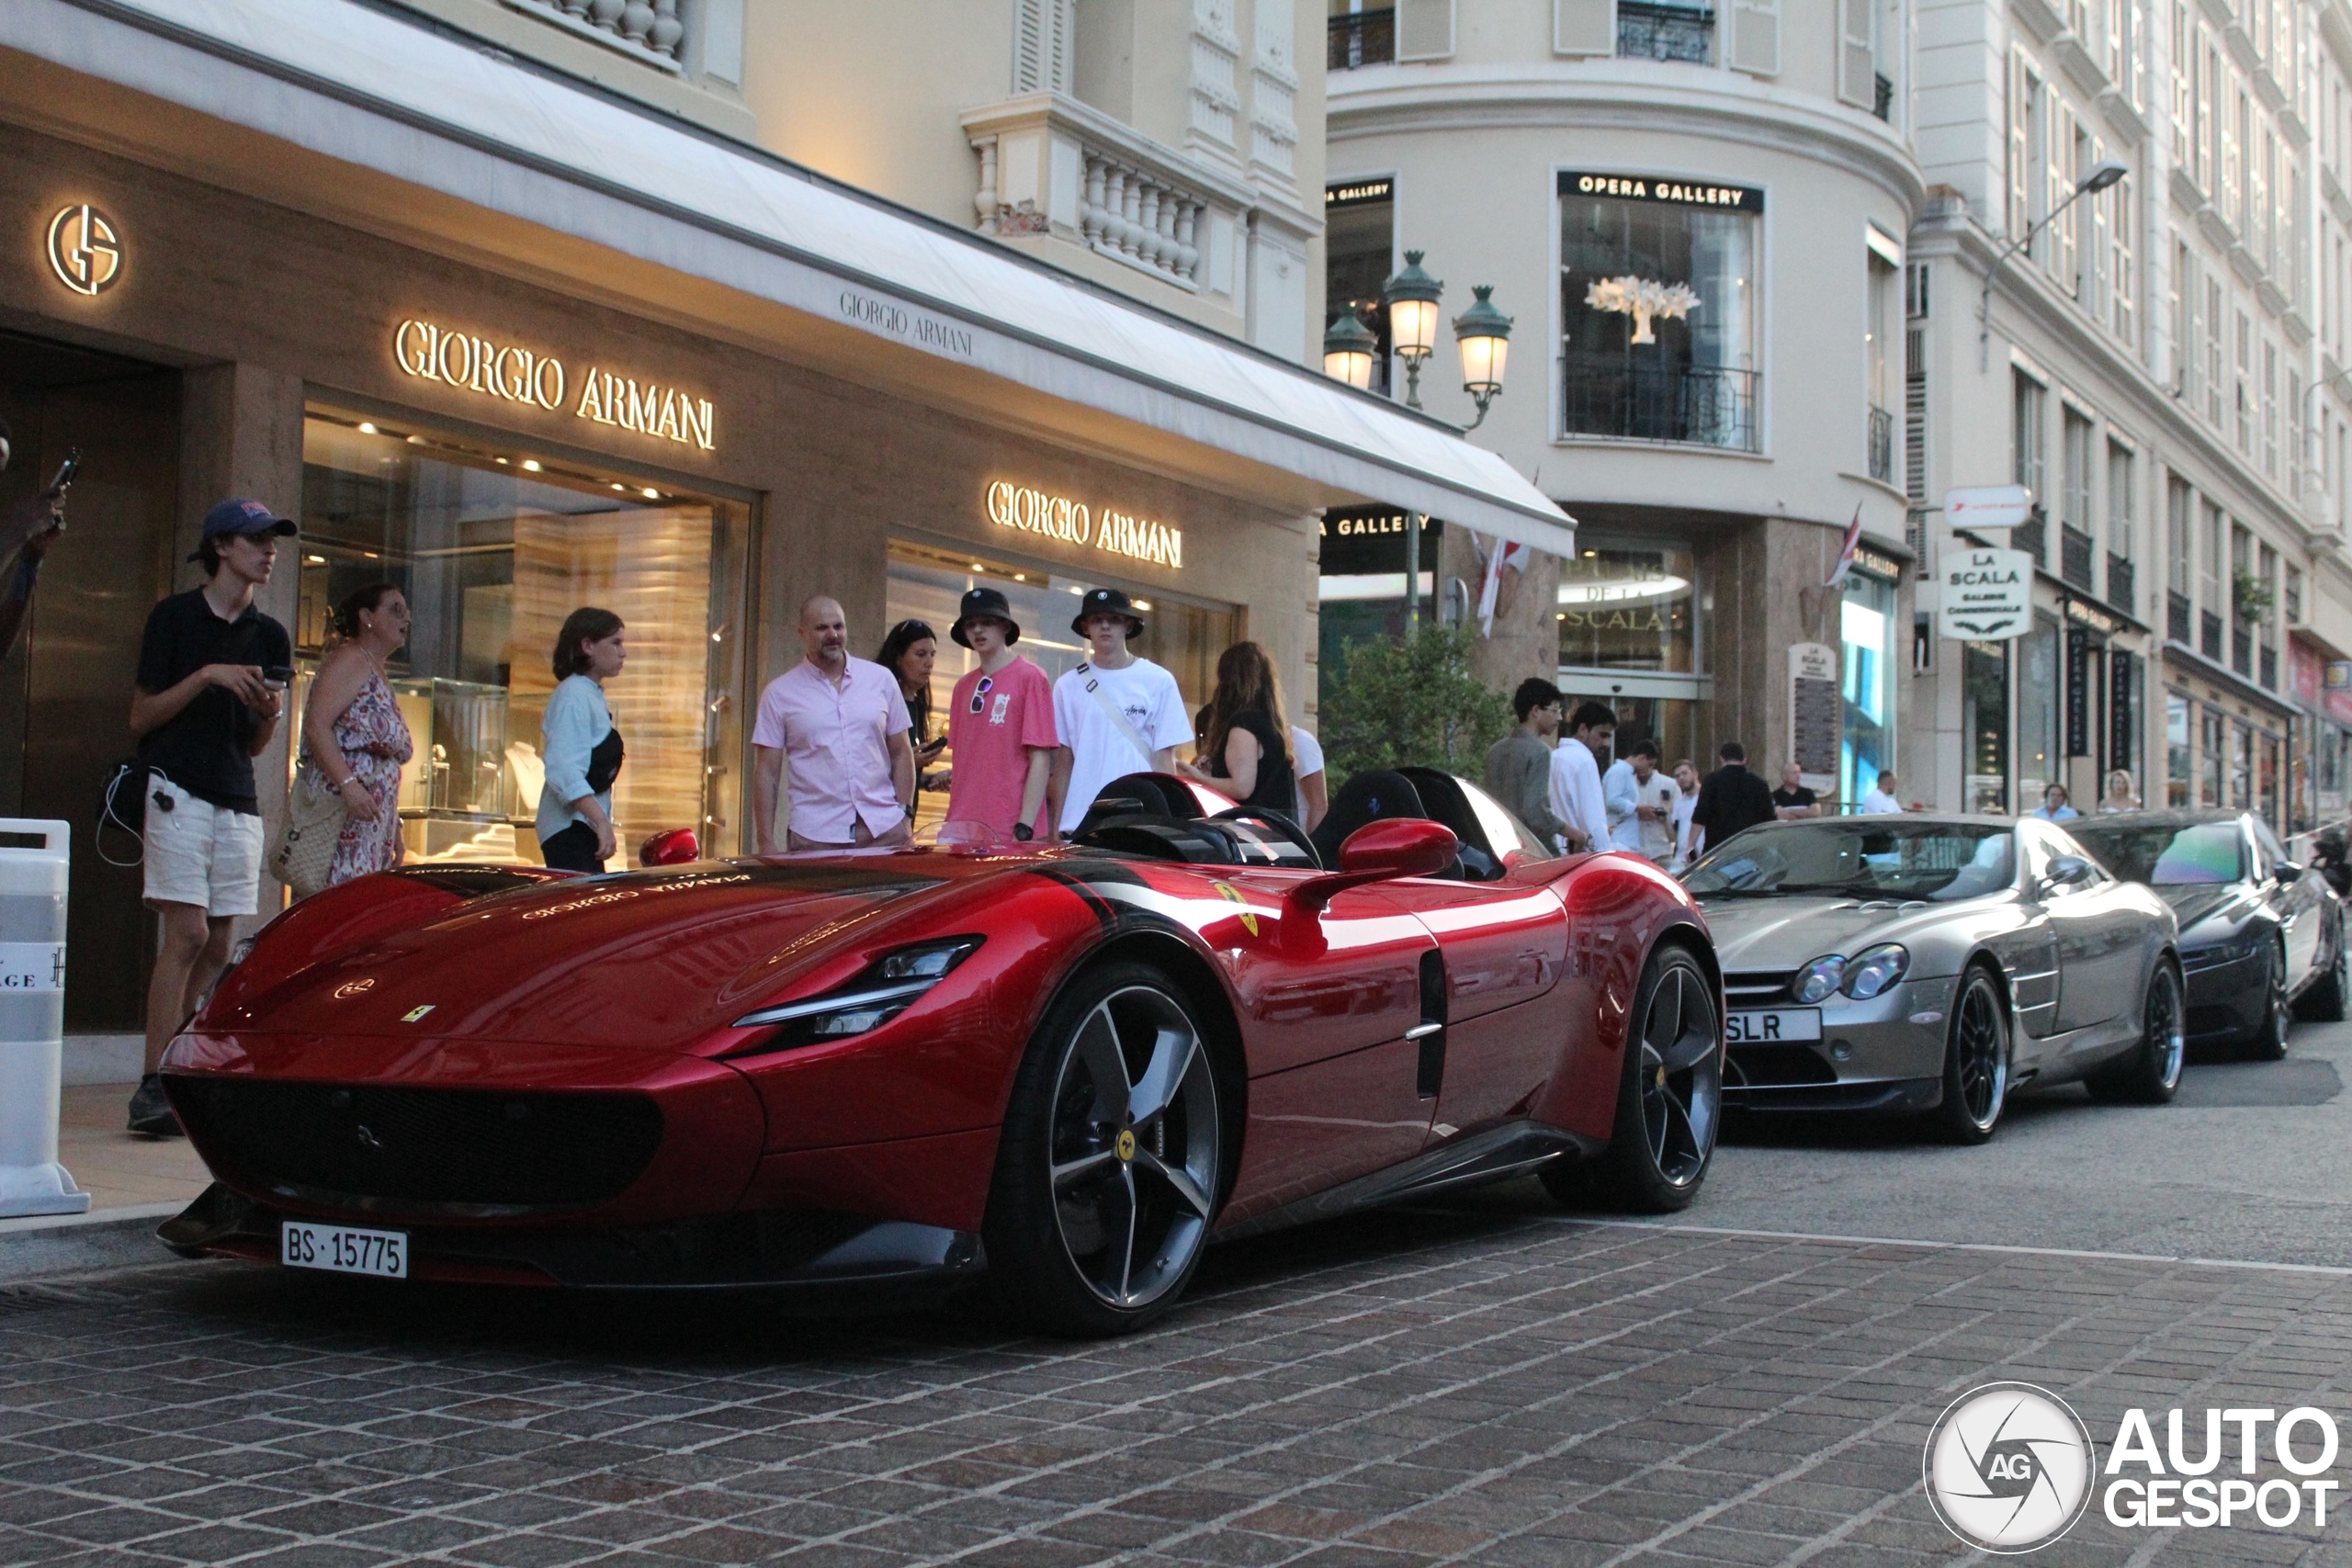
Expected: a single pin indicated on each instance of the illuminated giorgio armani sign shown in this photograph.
(514, 375)
(1073, 521)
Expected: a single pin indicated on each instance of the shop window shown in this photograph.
(1657, 309)
(2241, 775)
(927, 582)
(1628, 608)
(1359, 241)
(1985, 718)
(2177, 783)
(1866, 624)
(2038, 713)
(493, 550)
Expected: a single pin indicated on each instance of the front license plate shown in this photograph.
(1772, 1028)
(342, 1250)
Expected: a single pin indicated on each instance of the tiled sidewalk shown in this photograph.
(1487, 1385)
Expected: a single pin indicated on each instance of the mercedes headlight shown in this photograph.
(1818, 978)
(865, 1001)
(1875, 969)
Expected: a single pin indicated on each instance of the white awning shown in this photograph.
(370, 90)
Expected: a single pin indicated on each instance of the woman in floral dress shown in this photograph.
(354, 739)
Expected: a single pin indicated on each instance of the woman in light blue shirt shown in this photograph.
(581, 747)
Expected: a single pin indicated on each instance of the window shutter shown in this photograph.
(1041, 45)
(1424, 29)
(1856, 63)
(1584, 27)
(1756, 37)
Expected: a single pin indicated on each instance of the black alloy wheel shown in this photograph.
(2324, 1000)
(1976, 1061)
(1110, 1163)
(1669, 1102)
(2150, 1072)
(2269, 1041)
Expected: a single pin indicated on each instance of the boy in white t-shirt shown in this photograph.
(1116, 714)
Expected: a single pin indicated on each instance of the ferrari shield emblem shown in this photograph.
(1232, 894)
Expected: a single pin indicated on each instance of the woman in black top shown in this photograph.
(1244, 747)
(907, 652)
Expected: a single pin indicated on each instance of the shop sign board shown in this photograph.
(430, 352)
(1111, 531)
(1813, 712)
(1987, 507)
(1987, 596)
(2078, 693)
(2122, 683)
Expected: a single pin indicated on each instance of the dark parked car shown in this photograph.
(2258, 939)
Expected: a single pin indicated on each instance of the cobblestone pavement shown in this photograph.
(1487, 1383)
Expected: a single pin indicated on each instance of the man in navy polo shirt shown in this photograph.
(212, 683)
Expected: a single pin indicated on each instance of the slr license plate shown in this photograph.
(339, 1249)
(1774, 1027)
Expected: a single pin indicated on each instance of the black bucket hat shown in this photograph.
(1106, 602)
(984, 604)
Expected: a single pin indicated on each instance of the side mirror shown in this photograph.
(1399, 847)
(677, 846)
(2066, 870)
(2286, 871)
(1377, 852)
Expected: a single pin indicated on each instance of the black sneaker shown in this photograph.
(151, 1113)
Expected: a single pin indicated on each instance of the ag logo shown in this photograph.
(84, 249)
(2009, 1468)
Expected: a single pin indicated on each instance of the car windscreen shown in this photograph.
(2167, 854)
(1867, 857)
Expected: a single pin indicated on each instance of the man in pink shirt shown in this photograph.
(844, 723)
(999, 725)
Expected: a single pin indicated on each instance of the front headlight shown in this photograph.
(1874, 969)
(865, 1001)
(1818, 978)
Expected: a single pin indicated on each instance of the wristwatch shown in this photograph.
(1023, 831)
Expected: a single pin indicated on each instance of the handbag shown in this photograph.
(303, 855)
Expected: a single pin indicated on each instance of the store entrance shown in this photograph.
(65, 687)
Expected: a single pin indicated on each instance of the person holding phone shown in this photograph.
(26, 531)
(908, 651)
(210, 691)
(353, 738)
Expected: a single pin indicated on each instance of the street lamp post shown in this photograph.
(1411, 297)
(2100, 176)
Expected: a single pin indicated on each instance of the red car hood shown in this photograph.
(652, 960)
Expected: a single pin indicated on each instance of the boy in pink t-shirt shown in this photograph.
(999, 725)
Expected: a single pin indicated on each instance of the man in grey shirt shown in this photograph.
(1519, 766)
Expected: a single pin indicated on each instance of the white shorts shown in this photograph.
(201, 853)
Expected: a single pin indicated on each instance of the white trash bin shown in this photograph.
(34, 858)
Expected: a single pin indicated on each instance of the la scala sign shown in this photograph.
(1985, 596)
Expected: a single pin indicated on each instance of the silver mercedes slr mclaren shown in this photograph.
(1929, 963)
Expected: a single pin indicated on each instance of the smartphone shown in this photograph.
(932, 748)
(278, 677)
(66, 470)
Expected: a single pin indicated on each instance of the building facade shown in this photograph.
(1698, 221)
(517, 342)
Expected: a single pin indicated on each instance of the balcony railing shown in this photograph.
(1882, 445)
(1652, 400)
(2077, 550)
(2208, 636)
(2176, 618)
(2242, 650)
(1665, 32)
(651, 30)
(2027, 536)
(2270, 667)
(1362, 38)
(2119, 584)
(1882, 97)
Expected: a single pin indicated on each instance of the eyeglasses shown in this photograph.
(988, 685)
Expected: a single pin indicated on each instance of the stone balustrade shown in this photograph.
(1138, 216)
(650, 30)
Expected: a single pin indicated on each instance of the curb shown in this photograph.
(104, 1238)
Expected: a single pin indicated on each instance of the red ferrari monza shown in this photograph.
(1055, 1074)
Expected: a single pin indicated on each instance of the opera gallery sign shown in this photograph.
(1986, 596)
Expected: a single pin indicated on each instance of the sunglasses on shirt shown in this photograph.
(988, 685)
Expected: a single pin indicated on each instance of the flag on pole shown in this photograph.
(1506, 554)
(1846, 552)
